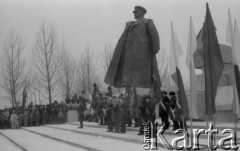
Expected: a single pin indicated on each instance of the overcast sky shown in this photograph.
(93, 23)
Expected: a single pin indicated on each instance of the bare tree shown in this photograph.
(26, 84)
(47, 59)
(166, 79)
(87, 71)
(12, 71)
(68, 70)
(107, 56)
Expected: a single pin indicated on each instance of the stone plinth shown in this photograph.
(72, 116)
(226, 52)
(223, 101)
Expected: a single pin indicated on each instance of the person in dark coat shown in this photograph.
(176, 117)
(61, 115)
(178, 111)
(148, 111)
(25, 117)
(38, 117)
(115, 113)
(6, 117)
(81, 109)
(164, 113)
(109, 106)
(44, 115)
(134, 57)
(32, 118)
(20, 115)
(123, 113)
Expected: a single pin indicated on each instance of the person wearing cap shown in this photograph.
(148, 112)
(134, 56)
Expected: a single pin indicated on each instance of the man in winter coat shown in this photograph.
(81, 109)
(44, 115)
(109, 106)
(115, 113)
(176, 116)
(6, 116)
(38, 117)
(25, 117)
(123, 113)
(163, 113)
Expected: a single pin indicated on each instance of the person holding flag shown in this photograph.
(163, 112)
(175, 53)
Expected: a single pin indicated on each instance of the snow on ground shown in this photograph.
(102, 131)
(7, 145)
(90, 136)
(97, 142)
(132, 134)
(33, 142)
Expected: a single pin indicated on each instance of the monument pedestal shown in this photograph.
(223, 101)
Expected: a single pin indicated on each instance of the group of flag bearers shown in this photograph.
(118, 111)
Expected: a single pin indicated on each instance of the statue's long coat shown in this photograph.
(134, 56)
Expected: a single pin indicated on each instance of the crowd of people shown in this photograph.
(33, 115)
(117, 112)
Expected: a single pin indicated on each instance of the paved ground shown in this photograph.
(93, 137)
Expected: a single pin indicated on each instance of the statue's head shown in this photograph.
(139, 12)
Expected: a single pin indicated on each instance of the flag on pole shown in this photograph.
(237, 43)
(213, 62)
(191, 48)
(237, 40)
(230, 38)
(155, 90)
(110, 90)
(175, 53)
(134, 102)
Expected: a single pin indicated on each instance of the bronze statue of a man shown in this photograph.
(134, 58)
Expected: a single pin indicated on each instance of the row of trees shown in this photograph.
(53, 74)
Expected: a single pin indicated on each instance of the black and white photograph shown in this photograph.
(119, 75)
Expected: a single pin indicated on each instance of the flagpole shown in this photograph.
(191, 79)
(175, 56)
(235, 70)
(207, 121)
(214, 126)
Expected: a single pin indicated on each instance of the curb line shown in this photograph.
(15, 143)
(112, 137)
(63, 141)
